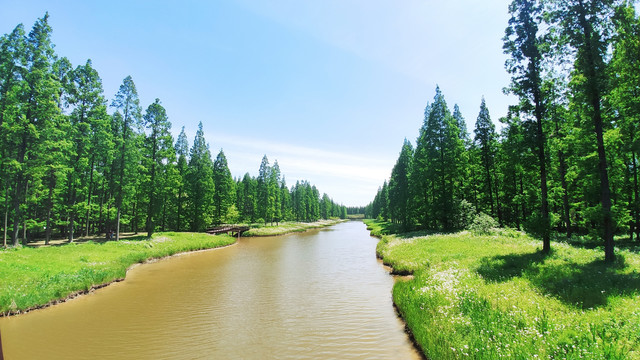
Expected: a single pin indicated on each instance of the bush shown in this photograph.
(463, 214)
(483, 224)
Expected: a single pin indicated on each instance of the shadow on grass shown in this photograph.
(589, 285)
(591, 242)
(584, 286)
(403, 231)
(505, 267)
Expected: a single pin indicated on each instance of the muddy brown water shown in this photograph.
(316, 295)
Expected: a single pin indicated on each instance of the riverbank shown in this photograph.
(290, 227)
(33, 278)
(493, 296)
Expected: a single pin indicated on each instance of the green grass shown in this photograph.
(488, 297)
(32, 277)
(289, 227)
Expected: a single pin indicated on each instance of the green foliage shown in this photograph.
(201, 185)
(463, 215)
(399, 195)
(224, 189)
(483, 224)
(567, 157)
(499, 296)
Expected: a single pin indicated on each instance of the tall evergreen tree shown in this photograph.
(159, 142)
(264, 199)
(625, 97)
(399, 206)
(588, 27)
(486, 141)
(274, 190)
(12, 69)
(90, 137)
(182, 151)
(249, 204)
(128, 105)
(224, 188)
(201, 185)
(526, 48)
(39, 95)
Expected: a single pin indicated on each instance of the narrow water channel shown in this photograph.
(316, 295)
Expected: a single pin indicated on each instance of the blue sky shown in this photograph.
(329, 88)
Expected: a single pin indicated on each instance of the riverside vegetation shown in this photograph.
(34, 277)
(69, 168)
(290, 227)
(493, 295)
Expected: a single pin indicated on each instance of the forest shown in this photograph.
(69, 167)
(563, 162)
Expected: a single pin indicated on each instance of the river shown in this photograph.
(315, 295)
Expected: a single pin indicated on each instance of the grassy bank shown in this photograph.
(487, 297)
(35, 277)
(290, 227)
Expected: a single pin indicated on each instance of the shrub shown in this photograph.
(463, 214)
(482, 224)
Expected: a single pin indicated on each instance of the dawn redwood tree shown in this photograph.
(464, 188)
(274, 190)
(526, 48)
(182, 152)
(12, 68)
(486, 142)
(201, 184)
(159, 143)
(128, 105)
(587, 24)
(419, 181)
(224, 193)
(249, 200)
(264, 191)
(90, 138)
(625, 97)
(285, 201)
(399, 205)
(38, 95)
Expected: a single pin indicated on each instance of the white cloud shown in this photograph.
(347, 178)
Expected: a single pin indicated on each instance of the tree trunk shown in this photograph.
(17, 213)
(118, 224)
(523, 205)
(150, 220)
(546, 223)
(636, 202)
(515, 212)
(6, 216)
(86, 233)
(72, 214)
(498, 204)
(24, 218)
(47, 236)
(101, 222)
(595, 97)
(489, 185)
(164, 212)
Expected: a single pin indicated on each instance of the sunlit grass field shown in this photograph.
(31, 277)
(497, 296)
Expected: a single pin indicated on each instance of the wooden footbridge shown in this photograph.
(232, 230)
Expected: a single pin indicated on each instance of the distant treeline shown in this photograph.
(566, 158)
(68, 167)
(356, 210)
